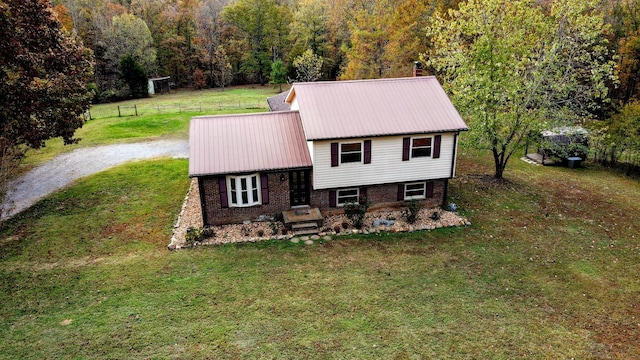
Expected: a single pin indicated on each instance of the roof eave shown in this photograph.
(393, 134)
(250, 171)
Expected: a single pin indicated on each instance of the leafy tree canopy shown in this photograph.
(514, 67)
(43, 75)
(278, 73)
(308, 66)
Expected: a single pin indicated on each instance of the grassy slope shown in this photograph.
(548, 270)
(108, 128)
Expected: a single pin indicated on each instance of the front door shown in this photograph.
(299, 187)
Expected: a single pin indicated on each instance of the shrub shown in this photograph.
(356, 211)
(193, 235)
(199, 80)
(412, 211)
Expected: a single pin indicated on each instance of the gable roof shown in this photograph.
(362, 108)
(276, 103)
(246, 143)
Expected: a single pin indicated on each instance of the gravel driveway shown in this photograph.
(65, 169)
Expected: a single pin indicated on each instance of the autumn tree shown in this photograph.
(369, 38)
(309, 26)
(513, 68)
(222, 70)
(308, 67)
(126, 35)
(624, 17)
(210, 31)
(260, 25)
(129, 35)
(43, 77)
(178, 50)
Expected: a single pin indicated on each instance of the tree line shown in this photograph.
(237, 42)
(511, 67)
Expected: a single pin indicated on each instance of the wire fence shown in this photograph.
(108, 110)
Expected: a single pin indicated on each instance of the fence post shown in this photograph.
(135, 107)
(119, 111)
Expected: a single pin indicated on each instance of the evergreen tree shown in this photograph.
(134, 76)
(278, 73)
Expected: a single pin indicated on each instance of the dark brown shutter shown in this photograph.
(400, 192)
(224, 200)
(334, 154)
(406, 147)
(264, 184)
(436, 146)
(332, 198)
(367, 151)
(429, 189)
(363, 192)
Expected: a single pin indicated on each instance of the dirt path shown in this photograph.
(65, 169)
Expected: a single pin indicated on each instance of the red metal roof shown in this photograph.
(361, 108)
(246, 143)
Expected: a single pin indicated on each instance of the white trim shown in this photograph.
(347, 202)
(430, 147)
(254, 195)
(416, 197)
(340, 162)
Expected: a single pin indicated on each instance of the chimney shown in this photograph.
(417, 68)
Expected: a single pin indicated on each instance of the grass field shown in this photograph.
(548, 270)
(160, 116)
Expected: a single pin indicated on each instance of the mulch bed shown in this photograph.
(334, 225)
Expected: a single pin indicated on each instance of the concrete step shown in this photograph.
(306, 231)
(304, 225)
(305, 228)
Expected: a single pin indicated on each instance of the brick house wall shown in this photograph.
(385, 195)
(380, 196)
(214, 214)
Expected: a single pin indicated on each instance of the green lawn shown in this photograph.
(160, 116)
(548, 270)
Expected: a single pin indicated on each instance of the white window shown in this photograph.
(415, 190)
(346, 196)
(244, 190)
(351, 152)
(421, 147)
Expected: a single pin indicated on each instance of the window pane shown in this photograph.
(245, 197)
(255, 195)
(421, 152)
(414, 191)
(350, 147)
(254, 182)
(347, 196)
(350, 157)
(233, 184)
(234, 197)
(243, 184)
(422, 142)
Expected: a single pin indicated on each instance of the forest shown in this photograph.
(512, 68)
(216, 43)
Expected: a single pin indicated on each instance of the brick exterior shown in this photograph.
(379, 195)
(214, 214)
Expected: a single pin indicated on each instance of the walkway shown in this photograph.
(64, 169)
